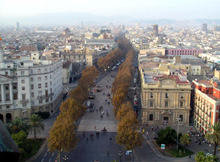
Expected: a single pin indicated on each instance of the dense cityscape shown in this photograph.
(130, 90)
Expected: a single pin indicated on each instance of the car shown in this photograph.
(207, 154)
(91, 96)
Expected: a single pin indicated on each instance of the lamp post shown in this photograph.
(120, 154)
(178, 119)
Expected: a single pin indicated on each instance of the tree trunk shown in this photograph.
(215, 146)
(34, 133)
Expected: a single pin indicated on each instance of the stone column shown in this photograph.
(11, 92)
(3, 93)
(177, 99)
(146, 98)
(188, 100)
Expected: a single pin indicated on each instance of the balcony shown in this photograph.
(24, 101)
(39, 97)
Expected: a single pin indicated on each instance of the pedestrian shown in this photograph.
(110, 138)
(95, 127)
(152, 128)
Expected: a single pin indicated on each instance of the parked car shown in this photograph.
(91, 96)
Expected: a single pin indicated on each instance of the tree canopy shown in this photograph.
(166, 136)
(214, 136)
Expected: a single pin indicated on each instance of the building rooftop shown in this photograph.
(154, 78)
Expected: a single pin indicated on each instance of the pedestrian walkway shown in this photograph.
(93, 119)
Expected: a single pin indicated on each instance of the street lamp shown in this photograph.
(178, 120)
(120, 154)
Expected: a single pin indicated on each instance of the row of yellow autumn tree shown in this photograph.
(62, 136)
(115, 55)
(128, 123)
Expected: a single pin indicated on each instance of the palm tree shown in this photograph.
(214, 136)
(36, 124)
(17, 125)
(200, 157)
(185, 140)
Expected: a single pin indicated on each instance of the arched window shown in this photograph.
(151, 117)
(8, 117)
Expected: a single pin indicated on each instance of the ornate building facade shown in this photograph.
(165, 99)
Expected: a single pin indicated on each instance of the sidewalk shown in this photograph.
(205, 147)
(184, 159)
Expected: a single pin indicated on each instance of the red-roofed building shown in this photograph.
(206, 104)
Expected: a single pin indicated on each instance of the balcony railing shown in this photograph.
(24, 101)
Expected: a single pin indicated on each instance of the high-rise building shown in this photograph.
(155, 30)
(17, 26)
(217, 28)
(204, 27)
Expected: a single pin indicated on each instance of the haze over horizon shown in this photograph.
(147, 9)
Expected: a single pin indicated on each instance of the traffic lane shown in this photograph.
(46, 156)
(96, 148)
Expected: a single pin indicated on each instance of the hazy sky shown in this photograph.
(173, 9)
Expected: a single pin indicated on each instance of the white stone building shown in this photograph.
(29, 86)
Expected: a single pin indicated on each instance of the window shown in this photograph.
(15, 96)
(22, 72)
(181, 117)
(39, 85)
(151, 95)
(40, 93)
(39, 71)
(181, 103)
(7, 97)
(7, 107)
(23, 96)
(39, 78)
(151, 103)
(32, 86)
(23, 88)
(50, 83)
(151, 117)
(166, 95)
(32, 79)
(32, 94)
(46, 85)
(6, 73)
(50, 76)
(181, 95)
(166, 103)
(31, 71)
(14, 87)
(46, 93)
(6, 87)
(40, 101)
(45, 70)
(45, 77)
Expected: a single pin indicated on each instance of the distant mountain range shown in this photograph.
(72, 18)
